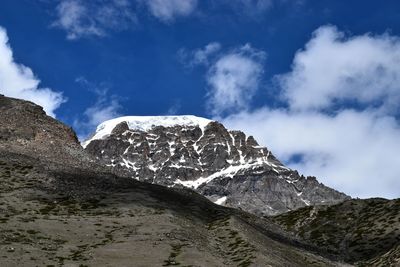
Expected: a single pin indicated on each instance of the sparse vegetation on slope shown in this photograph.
(355, 230)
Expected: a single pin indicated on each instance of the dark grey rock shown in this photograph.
(120, 128)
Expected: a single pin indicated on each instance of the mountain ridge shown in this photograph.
(224, 165)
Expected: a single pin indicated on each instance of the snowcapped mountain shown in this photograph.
(226, 166)
(145, 123)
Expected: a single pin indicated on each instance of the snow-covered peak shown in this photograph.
(145, 123)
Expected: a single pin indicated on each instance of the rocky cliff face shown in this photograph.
(25, 129)
(226, 166)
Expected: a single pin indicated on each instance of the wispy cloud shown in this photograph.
(94, 18)
(257, 8)
(342, 101)
(98, 18)
(201, 56)
(174, 108)
(169, 10)
(17, 80)
(104, 108)
(252, 6)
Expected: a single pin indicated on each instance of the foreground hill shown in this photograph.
(366, 232)
(61, 207)
(227, 167)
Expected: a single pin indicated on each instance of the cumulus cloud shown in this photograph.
(339, 121)
(168, 10)
(233, 76)
(233, 79)
(17, 80)
(334, 68)
(93, 18)
(104, 108)
(352, 151)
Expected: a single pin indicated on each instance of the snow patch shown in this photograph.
(220, 201)
(229, 171)
(306, 202)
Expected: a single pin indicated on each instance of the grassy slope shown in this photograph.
(58, 219)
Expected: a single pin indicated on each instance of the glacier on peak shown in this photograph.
(145, 123)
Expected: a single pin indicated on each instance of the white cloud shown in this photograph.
(234, 79)
(17, 80)
(93, 18)
(168, 10)
(233, 76)
(353, 148)
(72, 18)
(352, 151)
(334, 68)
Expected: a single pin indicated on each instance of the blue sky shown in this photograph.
(314, 81)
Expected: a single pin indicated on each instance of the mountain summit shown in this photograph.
(146, 123)
(226, 166)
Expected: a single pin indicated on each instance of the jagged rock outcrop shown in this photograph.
(228, 167)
